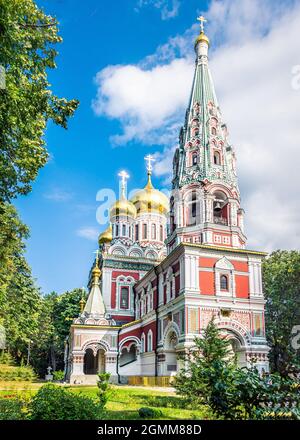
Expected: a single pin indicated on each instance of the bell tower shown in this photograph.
(205, 203)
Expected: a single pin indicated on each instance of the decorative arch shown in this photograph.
(118, 250)
(171, 327)
(135, 340)
(224, 263)
(95, 345)
(236, 329)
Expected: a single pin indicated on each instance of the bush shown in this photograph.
(6, 358)
(59, 375)
(104, 389)
(17, 373)
(12, 408)
(52, 402)
(149, 413)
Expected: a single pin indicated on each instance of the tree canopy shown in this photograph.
(28, 39)
(281, 277)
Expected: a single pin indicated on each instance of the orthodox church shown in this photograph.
(166, 267)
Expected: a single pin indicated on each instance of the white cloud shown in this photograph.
(169, 8)
(255, 48)
(88, 233)
(58, 195)
(145, 101)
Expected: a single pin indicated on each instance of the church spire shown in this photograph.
(95, 305)
(205, 204)
(204, 151)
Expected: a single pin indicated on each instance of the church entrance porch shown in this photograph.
(94, 363)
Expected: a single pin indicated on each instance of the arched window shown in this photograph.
(193, 214)
(124, 230)
(143, 343)
(144, 231)
(136, 232)
(117, 230)
(161, 233)
(124, 297)
(194, 159)
(149, 341)
(153, 231)
(196, 132)
(224, 282)
(217, 158)
(213, 131)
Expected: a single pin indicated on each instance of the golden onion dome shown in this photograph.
(150, 200)
(202, 37)
(106, 236)
(123, 207)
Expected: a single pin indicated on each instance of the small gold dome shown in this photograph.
(123, 207)
(150, 200)
(202, 37)
(106, 236)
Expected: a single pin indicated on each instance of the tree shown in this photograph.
(211, 377)
(55, 317)
(21, 309)
(207, 369)
(28, 37)
(281, 276)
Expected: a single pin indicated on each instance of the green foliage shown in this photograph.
(210, 355)
(56, 315)
(104, 389)
(12, 408)
(11, 373)
(149, 413)
(6, 358)
(53, 402)
(12, 235)
(210, 377)
(59, 375)
(28, 37)
(281, 277)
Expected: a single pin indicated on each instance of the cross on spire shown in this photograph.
(149, 159)
(124, 176)
(97, 257)
(202, 21)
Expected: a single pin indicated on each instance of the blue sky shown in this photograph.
(136, 42)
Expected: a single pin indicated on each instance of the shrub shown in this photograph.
(6, 358)
(59, 375)
(149, 413)
(17, 373)
(52, 402)
(12, 408)
(104, 389)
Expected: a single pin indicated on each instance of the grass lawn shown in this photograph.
(124, 402)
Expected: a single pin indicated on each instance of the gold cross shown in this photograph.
(202, 21)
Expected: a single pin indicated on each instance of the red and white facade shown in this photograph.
(159, 288)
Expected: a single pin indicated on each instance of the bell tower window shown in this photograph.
(192, 209)
(194, 159)
(217, 158)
